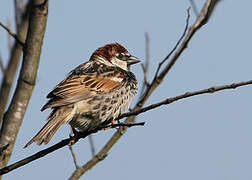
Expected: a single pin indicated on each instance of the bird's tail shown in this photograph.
(55, 120)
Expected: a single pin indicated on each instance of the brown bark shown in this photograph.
(13, 117)
(13, 62)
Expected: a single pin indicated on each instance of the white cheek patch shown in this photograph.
(120, 63)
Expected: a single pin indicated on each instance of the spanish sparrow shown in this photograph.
(94, 93)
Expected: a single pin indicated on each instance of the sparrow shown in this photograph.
(93, 94)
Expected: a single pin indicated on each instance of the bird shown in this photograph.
(93, 94)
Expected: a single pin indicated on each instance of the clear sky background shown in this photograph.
(204, 137)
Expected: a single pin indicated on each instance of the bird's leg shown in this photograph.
(113, 121)
(74, 138)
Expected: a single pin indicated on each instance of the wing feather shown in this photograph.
(74, 89)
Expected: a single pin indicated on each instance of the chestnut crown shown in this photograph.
(114, 55)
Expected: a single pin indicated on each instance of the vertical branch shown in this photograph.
(13, 117)
(13, 62)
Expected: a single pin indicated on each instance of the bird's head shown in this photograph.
(114, 55)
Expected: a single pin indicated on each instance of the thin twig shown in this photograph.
(175, 47)
(12, 34)
(14, 59)
(73, 155)
(194, 7)
(202, 19)
(91, 142)
(61, 144)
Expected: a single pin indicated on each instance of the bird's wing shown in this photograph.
(81, 87)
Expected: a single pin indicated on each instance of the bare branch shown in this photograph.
(74, 156)
(61, 144)
(35, 156)
(202, 19)
(206, 13)
(175, 47)
(91, 142)
(12, 34)
(13, 117)
(194, 7)
(13, 61)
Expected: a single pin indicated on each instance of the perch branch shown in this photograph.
(60, 145)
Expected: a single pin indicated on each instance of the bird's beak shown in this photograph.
(133, 60)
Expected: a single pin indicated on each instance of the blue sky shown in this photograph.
(204, 137)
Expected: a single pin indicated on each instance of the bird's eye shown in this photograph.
(120, 56)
